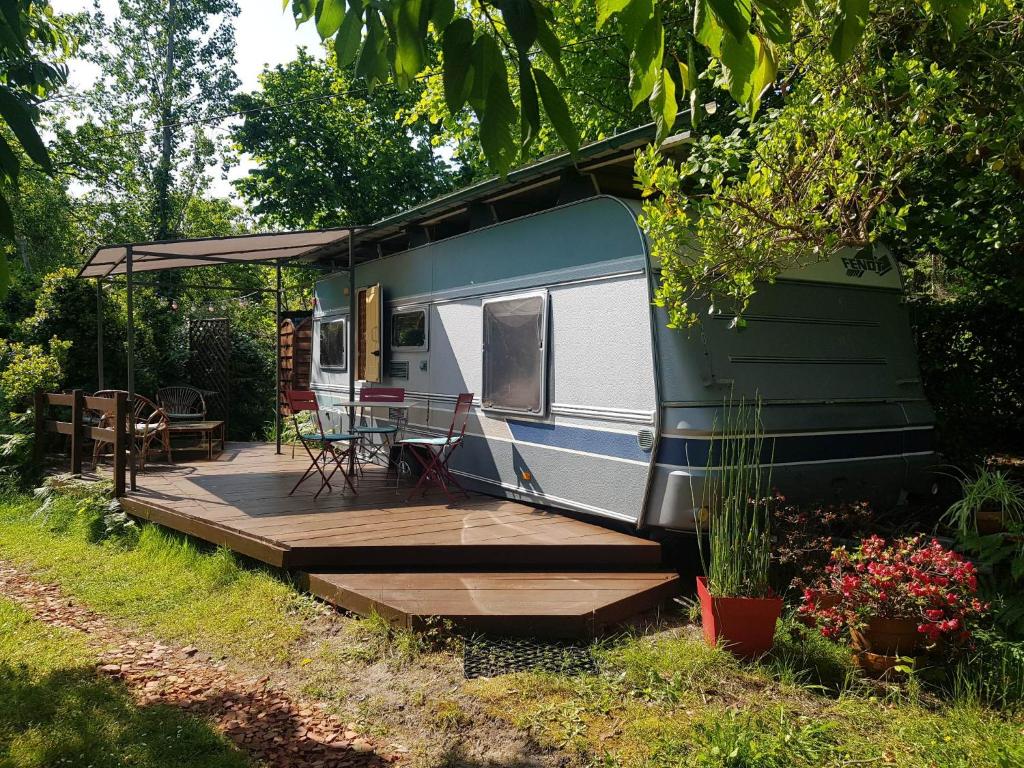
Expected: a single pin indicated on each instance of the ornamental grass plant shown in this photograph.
(736, 505)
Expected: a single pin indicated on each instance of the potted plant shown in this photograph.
(896, 600)
(989, 501)
(738, 606)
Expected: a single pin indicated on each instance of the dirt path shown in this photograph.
(259, 718)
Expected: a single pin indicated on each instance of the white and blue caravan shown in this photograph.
(535, 293)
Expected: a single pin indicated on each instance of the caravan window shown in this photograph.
(515, 337)
(409, 329)
(333, 342)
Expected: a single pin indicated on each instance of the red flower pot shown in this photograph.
(744, 625)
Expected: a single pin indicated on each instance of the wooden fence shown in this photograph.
(80, 431)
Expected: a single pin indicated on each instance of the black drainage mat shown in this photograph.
(485, 656)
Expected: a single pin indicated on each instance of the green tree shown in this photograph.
(30, 36)
(166, 69)
(348, 159)
(905, 146)
(483, 42)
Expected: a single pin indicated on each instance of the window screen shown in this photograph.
(514, 354)
(333, 339)
(409, 329)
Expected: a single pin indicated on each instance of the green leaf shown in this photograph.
(5, 277)
(853, 16)
(497, 118)
(734, 15)
(557, 111)
(707, 30)
(329, 15)
(634, 18)
(487, 61)
(763, 76)
(549, 43)
(663, 105)
(521, 22)
(6, 219)
(605, 8)
(688, 71)
(373, 60)
(777, 19)
(350, 34)
(457, 73)
(409, 42)
(529, 108)
(645, 62)
(441, 14)
(9, 163)
(19, 117)
(303, 11)
(739, 57)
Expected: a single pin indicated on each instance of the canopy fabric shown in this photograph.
(111, 260)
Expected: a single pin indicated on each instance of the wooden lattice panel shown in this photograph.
(209, 343)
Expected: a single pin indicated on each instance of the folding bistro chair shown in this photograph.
(388, 432)
(434, 453)
(328, 444)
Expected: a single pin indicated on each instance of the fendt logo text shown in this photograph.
(856, 267)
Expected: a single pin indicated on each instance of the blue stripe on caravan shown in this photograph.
(615, 444)
(693, 452)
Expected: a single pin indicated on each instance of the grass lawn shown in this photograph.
(157, 581)
(661, 699)
(55, 710)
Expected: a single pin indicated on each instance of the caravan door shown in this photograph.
(370, 323)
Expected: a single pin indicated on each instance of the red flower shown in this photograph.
(908, 578)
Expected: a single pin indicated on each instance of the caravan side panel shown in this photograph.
(589, 450)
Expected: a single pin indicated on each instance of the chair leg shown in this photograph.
(315, 465)
(429, 472)
(339, 459)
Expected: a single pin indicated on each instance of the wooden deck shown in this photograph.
(486, 562)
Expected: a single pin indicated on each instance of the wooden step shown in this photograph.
(557, 605)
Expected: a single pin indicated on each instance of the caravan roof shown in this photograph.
(603, 167)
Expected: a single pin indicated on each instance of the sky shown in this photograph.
(265, 35)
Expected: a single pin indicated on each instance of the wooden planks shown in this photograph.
(556, 604)
(484, 563)
(242, 501)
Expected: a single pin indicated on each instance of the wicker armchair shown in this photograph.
(150, 425)
(182, 403)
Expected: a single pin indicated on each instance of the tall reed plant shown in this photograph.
(736, 504)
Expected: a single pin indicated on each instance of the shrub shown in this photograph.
(908, 579)
(28, 367)
(804, 537)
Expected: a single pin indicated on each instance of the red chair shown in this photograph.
(434, 453)
(388, 432)
(304, 401)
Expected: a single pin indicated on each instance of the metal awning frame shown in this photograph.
(131, 250)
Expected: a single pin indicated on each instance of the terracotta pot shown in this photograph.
(883, 643)
(744, 625)
(889, 637)
(990, 520)
(878, 666)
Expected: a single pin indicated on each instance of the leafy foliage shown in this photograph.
(358, 159)
(744, 38)
(137, 136)
(30, 37)
(846, 155)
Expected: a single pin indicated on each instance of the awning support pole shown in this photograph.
(353, 314)
(277, 347)
(131, 368)
(99, 334)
